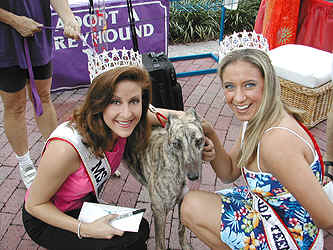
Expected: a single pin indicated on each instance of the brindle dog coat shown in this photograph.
(173, 153)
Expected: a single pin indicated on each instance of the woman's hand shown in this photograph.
(101, 228)
(72, 29)
(207, 127)
(208, 153)
(26, 26)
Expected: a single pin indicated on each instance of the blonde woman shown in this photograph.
(278, 160)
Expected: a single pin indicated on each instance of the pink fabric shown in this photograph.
(78, 184)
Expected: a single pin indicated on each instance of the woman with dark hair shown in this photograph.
(112, 121)
(282, 205)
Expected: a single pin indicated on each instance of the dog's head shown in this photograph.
(186, 140)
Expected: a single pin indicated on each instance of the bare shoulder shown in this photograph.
(279, 147)
(60, 156)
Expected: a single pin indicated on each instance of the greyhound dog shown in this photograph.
(173, 153)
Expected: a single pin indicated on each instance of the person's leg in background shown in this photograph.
(14, 97)
(47, 122)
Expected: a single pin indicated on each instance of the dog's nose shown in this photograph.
(192, 177)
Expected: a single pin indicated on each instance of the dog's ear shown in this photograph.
(171, 117)
(192, 112)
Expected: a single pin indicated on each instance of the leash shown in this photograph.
(36, 99)
(160, 117)
(35, 96)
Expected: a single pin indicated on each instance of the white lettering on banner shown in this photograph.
(59, 42)
(146, 28)
(72, 43)
(113, 14)
(109, 36)
(60, 24)
(135, 16)
(122, 37)
(86, 21)
(114, 36)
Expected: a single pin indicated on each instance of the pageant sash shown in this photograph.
(278, 236)
(99, 170)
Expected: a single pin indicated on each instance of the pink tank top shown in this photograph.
(78, 184)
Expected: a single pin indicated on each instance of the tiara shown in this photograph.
(99, 63)
(242, 40)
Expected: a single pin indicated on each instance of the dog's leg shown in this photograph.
(159, 222)
(182, 232)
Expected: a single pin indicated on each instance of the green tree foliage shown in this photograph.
(199, 20)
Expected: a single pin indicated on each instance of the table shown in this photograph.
(70, 63)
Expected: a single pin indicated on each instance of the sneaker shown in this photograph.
(28, 174)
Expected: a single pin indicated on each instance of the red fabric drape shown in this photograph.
(316, 25)
(315, 22)
(277, 20)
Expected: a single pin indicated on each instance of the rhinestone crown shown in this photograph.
(242, 40)
(99, 63)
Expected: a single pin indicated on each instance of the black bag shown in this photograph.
(167, 92)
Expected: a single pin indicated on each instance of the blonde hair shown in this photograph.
(271, 107)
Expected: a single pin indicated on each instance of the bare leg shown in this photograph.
(16, 132)
(200, 212)
(14, 120)
(47, 122)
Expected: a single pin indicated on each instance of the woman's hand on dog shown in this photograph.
(208, 153)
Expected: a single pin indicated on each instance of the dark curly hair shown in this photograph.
(88, 118)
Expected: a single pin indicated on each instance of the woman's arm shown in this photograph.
(22, 24)
(58, 162)
(288, 159)
(71, 26)
(224, 163)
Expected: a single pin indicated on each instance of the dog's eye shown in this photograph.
(177, 144)
(199, 142)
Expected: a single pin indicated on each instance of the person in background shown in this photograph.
(25, 19)
(278, 160)
(112, 123)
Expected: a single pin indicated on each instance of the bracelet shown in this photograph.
(78, 230)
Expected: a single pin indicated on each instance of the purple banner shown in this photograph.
(70, 63)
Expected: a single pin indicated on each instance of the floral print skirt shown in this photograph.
(242, 227)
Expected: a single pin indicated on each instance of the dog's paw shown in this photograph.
(187, 247)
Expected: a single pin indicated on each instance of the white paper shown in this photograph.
(93, 211)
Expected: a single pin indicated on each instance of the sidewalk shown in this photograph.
(201, 92)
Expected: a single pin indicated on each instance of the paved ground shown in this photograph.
(201, 92)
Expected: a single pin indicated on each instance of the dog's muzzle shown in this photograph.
(193, 172)
(192, 176)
